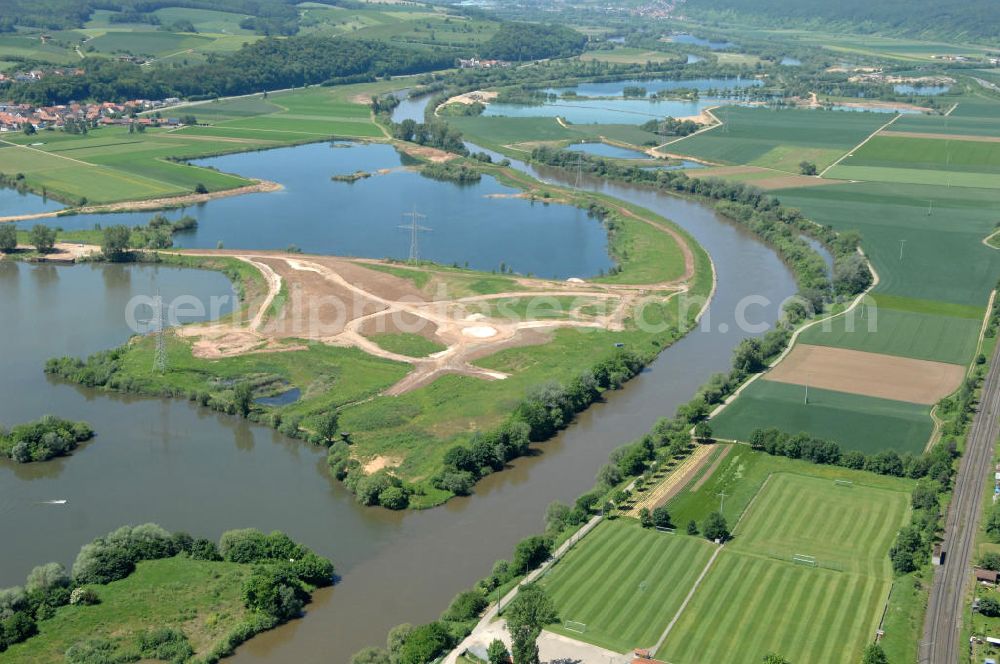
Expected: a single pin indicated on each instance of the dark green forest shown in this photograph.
(269, 64)
(973, 19)
(531, 41)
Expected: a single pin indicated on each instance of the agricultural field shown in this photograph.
(779, 139)
(926, 242)
(918, 160)
(628, 56)
(110, 164)
(827, 612)
(624, 583)
(921, 336)
(854, 421)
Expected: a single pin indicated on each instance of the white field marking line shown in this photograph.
(795, 336)
(860, 145)
(50, 154)
(687, 600)
(986, 240)
(948, 112)
(746, 510)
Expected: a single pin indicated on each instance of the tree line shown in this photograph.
(43, 439)
(268, 64)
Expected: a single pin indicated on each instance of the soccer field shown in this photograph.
(755, 600)
(625, 583)
(750, 606)
(844, 527)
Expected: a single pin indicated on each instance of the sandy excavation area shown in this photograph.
(869, 374)
(344, 302)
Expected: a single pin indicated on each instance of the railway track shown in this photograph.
(943, 622)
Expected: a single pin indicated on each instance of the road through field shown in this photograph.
(944, 610)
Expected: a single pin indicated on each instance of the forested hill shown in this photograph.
(268, 64)
(973, 19)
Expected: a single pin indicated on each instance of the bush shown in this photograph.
(715, 528)
(530, 553)
(314, 570)
(84, 596)
(466, 606)
(275, 591)
(246, 545)
(989, 606)
(424, 644)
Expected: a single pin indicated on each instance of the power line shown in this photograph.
(414, 229)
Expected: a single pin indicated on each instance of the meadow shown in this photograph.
(856, 422)
(624, 583)
(200, 598)
(779, 139)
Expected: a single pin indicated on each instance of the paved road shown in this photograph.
(944, 610)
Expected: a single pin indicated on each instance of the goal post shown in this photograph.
(848, 484)
(803, 559)
(574, 626)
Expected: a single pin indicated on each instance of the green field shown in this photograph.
(856, 422)
(846, 529)
(903, 333)
(755, 600)
(750, 606)
(943, 255)
(924, 161)
(970, 118)
(110, 164)
(780, 139)
(200, 598)
(406, 343)
(625, 583)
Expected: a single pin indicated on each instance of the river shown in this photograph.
(188, 468)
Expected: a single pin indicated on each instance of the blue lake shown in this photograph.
(605, 150)
(698, 41)
(616, 88)
(790, 62)
(481, 223)
(921, 90)
(14, 203)
(604, 111)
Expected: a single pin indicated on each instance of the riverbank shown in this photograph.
(151, 205)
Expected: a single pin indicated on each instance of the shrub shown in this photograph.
(245, 545)
(274, 591)
(424, 644)
(466, 606)
(83, 596)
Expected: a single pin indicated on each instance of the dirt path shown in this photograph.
(359, 300)
(260, 186)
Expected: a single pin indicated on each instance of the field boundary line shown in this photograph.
(687, 600)
(860, 145)
(949, 111)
